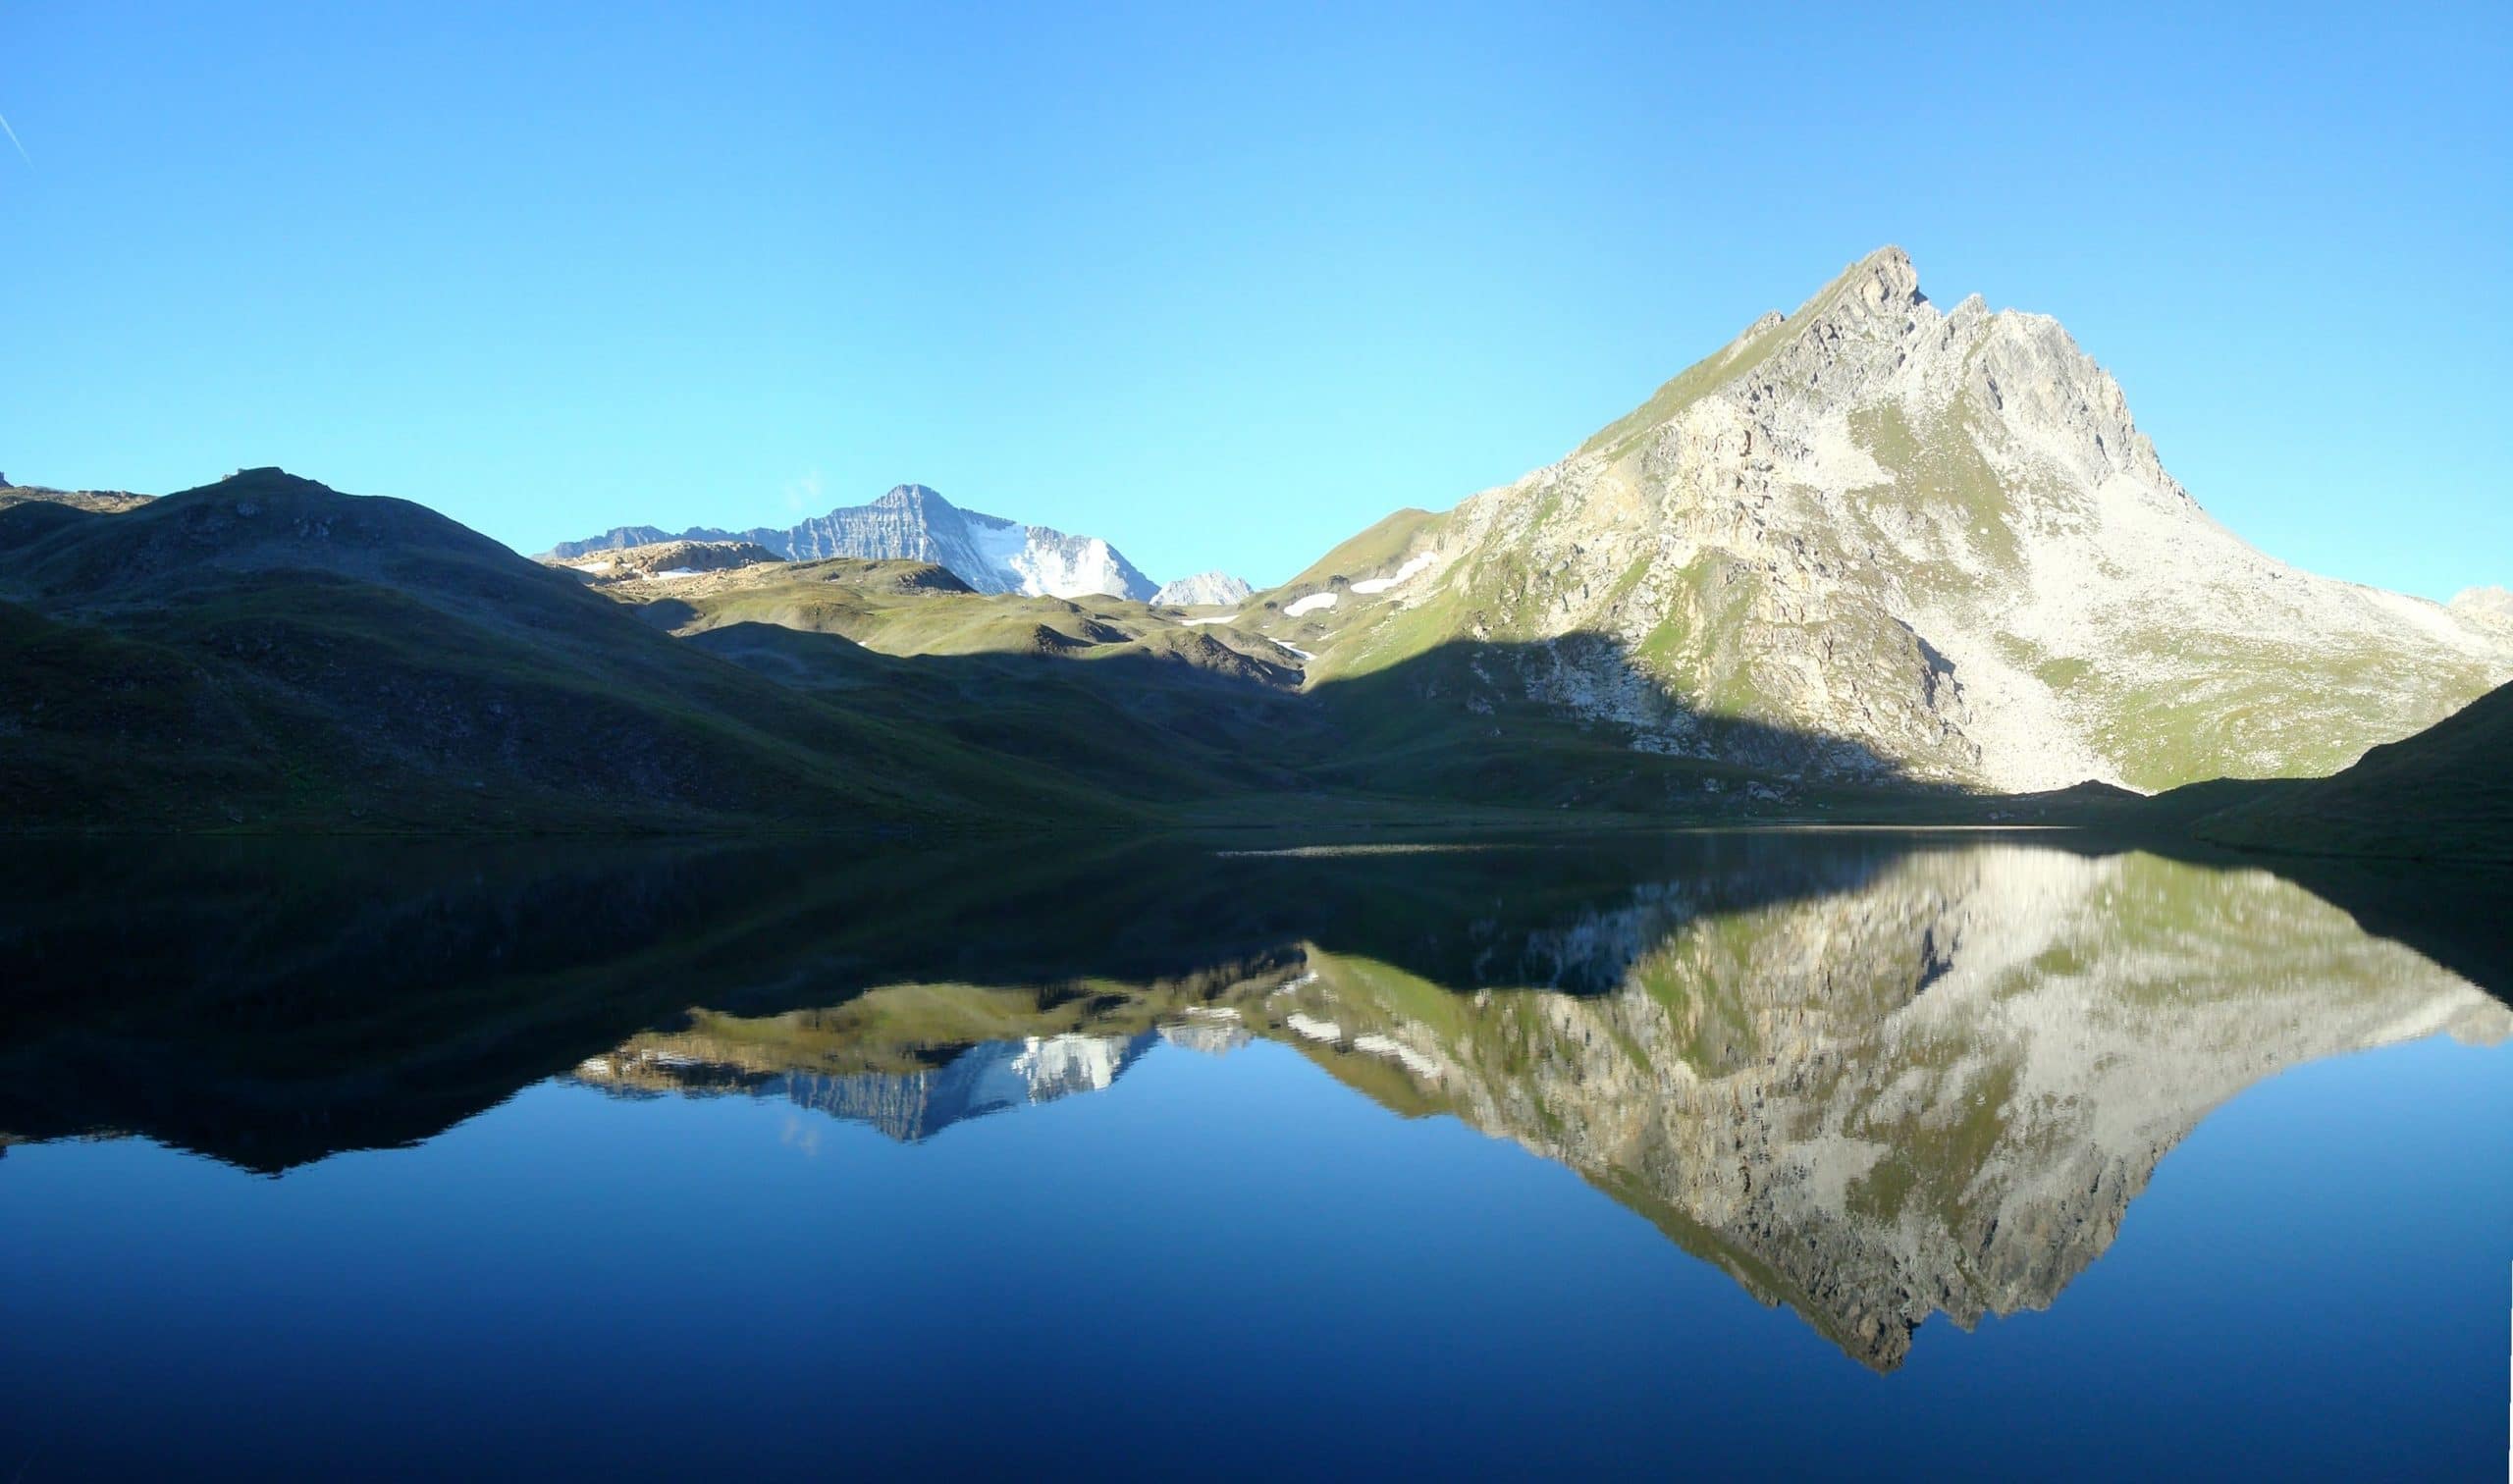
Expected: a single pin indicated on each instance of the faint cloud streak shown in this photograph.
(804, 493)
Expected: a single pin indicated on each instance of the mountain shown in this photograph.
(913, 523)
(1203, 589)
(268, 652)
(2445, 793)
(1896, 541)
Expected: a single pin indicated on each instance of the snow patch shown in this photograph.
(1314, 602)
(1000, 547)
(1288, 985)
(1309, 1029)
(1397, 1051)
(1053, 1065)
(1413, 567)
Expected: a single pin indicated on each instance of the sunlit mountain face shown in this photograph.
(1890, 1084)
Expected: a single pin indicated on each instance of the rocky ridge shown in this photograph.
(668, 559)
(1915, 541)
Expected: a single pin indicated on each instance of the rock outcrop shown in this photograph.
(1917, 542)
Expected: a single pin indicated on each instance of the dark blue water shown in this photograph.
(2229, 1180)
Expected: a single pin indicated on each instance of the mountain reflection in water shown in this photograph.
(1872, 1079)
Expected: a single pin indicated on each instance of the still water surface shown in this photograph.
(1726, 1155)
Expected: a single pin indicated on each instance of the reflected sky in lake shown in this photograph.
(1779, 1155)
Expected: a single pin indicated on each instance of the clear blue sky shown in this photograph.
(1223, 286)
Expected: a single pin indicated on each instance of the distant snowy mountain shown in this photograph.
(914, 523)
(910, 1106)
(1202, 589)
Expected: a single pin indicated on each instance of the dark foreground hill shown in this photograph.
(265, 651)
(2445, 793)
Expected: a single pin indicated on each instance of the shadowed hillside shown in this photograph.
(267, 652)
(2443, 794)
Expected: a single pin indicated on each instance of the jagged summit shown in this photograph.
(922, 499)
(1890, 536)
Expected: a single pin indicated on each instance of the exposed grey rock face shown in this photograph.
(914, 523)
(2487, 607)
(1936, 1091)
(1209, 589)
(1929, 542)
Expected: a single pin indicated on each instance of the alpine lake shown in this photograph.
(1716, 1154)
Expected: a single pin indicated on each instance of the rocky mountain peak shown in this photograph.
(1883, 281)
(1884, 536)
(912, 496)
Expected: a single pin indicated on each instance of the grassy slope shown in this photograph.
(286, 656)
(1103, 690)
(1200, 720)
(1365, 554)
(2443, 794)
(1499, 593)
